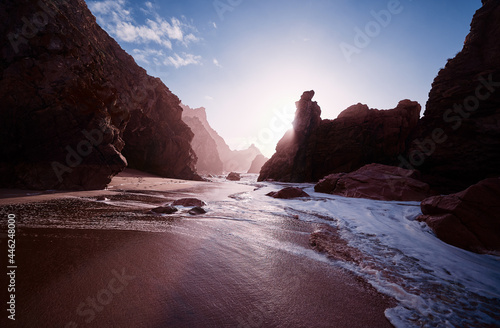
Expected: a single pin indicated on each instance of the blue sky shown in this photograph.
(248, 61)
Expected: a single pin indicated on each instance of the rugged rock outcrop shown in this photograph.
(257, 163)
(457, 141)
(469, 219)
(232, 160)
(376, 181)
(240, 160)
(289, 161)
(204, 146)
(72, 100)
(358, 136)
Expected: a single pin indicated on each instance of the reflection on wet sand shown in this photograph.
(103, 265)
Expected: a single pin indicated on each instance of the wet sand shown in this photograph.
(129, 179)
(197, 272)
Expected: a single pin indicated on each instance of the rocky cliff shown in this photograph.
(315, 148)
(232, 160)
(257, 164)
(457, 141)
(73, 100)
(204, 147)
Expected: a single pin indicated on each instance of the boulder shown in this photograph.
(457, 141)
(75, 104)
(358, 136)
(189, 202)
(197, 210)
(233, 176)
(288, 193)
(164, 210)
(469, 219)
(378, 182)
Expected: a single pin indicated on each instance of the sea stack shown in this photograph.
(358, 136)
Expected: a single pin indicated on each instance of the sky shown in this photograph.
(248, 61)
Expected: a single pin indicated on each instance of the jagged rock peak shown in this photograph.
(307, 115)
(358, 136)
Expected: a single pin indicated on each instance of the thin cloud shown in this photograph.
(184, 60)
(113, 16)
(216, 62)
(147, 55)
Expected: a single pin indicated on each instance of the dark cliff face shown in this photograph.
(72, 99)
(359, 136)
(457, 141)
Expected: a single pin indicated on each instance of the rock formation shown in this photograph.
(257, 163)
(376, 181)
(232, 160)
(457, 141)
(233, 176)
(204, 147)
(240, 160)
(288, 193)
(289, 161)
(72, 100)
(469, 219)
(358, 136)
(189, 202)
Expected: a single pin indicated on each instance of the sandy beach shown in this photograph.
(88, 263)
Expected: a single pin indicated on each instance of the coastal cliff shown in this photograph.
(457, 141)
(76, 107)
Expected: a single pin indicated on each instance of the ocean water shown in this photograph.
(435, 284)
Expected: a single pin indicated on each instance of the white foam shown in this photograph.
(436, 284)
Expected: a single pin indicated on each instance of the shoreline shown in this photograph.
(186, 273)
(128, 179)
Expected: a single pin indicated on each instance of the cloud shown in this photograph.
(147, 55)
(115, 18)
(209, 98)
(187, 59)
(216, 62)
